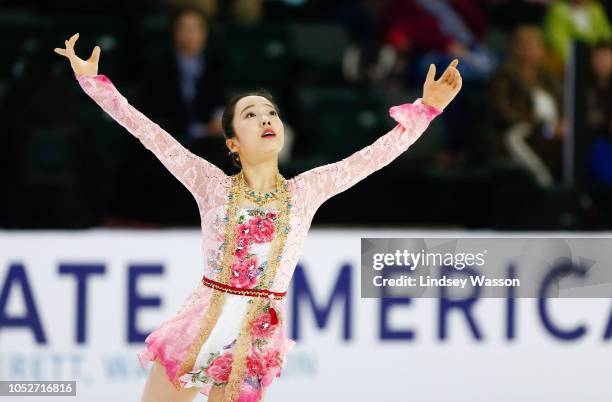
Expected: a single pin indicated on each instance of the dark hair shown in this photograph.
(228, 117)
(189, 9)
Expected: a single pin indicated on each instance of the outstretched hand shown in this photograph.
(439, 93)
(80, 66)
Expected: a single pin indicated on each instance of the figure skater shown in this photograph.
(228, 340)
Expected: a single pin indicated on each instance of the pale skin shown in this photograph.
(259, 157)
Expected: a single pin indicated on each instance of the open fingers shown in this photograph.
(450, 78)
(60, 51)
(459, 81)
(95, 55)
(455, 76)
(70, 44)
(73, 39)
(431, 73)
(455, 79)
(448, 73)
(446, 76)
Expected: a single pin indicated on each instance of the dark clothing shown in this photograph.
(409, 24)
(512, 99)
(165, 104)
(512, 102)
(599, 132)
(146, 190)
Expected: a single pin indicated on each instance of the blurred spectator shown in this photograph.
(584, 20)
(184, 92)
(368, 60)
(507, 15)
(440, 31)
(527, 104)
(247, 12)
(210, 8)
(361, 17)
(368, 63)
(599, 113)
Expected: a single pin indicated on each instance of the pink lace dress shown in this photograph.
(218, 338)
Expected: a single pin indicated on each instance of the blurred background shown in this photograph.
(527, 145)
(99, 243)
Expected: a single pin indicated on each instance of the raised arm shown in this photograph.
(191, 170)
(194, 172)
(321, 183)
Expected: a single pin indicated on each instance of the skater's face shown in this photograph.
(259, 131)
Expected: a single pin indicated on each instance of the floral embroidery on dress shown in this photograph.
(263, 327)
(208, 184)
(262, 364)
(260, 370)
(254, 227)
(217, 368)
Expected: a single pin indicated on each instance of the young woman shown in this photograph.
(228, 340)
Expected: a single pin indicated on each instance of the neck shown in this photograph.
(260, 177)
(187, 52)
(528, 66)
(529, 71)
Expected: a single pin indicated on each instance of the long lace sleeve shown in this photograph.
(194, 172)
(321, 183)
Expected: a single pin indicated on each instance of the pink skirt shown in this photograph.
(171, 341)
